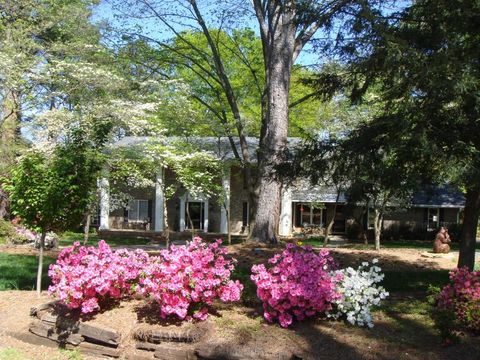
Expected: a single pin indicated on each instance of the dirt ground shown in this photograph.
(241, 329)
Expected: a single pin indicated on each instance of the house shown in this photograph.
(301, 204)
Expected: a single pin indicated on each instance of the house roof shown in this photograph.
(439, 196)
(303, 191)
(445, 196)
(220, 146)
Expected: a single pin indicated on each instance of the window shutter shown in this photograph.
(150, 210)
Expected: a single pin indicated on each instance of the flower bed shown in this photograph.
(183, 279)
(188, 278)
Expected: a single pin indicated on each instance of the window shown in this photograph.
(138, 211)
(309, 214)
(433, 218)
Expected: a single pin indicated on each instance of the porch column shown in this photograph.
(205, 216)
(159, 201)
(225, 208)
(103, 186)
(285, 224)
(182, 212)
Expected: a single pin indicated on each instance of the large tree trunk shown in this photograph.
(278, 52)
(328, 230)
(468, 237)
(40, 263)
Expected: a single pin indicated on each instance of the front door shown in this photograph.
(339, 220)
(195, 215)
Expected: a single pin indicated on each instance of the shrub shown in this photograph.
(458, 303)
(185, 279)
(360, 292)
(84, 277)
(297, 284)
(14, 233)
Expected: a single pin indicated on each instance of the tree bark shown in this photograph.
(40, 263)
(279, 46)
(378, 228)
(86, 228)
(328, 230)
(468, 237)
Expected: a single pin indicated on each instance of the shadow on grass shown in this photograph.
(19, 272)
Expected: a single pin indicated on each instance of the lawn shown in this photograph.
(19, 272)
(68, 238)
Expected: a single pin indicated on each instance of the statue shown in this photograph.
(440, 245)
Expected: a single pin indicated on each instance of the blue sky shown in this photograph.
(107, 12)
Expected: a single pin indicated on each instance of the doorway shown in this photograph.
(196, 211)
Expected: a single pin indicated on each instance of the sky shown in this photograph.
(107, 11)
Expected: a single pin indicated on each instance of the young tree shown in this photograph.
(52, 193)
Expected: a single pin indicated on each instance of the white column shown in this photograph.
(159, 201)
(205, 215)
(285, 225)
(104, 203)
(182, 212)
(226, 203)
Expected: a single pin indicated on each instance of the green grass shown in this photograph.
(19, 272)
(68, 238)
(10, 353)
(414, 281)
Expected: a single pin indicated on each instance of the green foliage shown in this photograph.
(408, 281)
(52, 194)
(18, 272)
(444, 319)
(8, 234)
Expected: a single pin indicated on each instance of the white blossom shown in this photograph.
(360, 291)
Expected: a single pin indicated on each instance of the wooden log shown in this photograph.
(95, 349)
(165, 334)
(50, 332)
(34, 310)
(143, 345)
(49, 318)
(99, 335)
(175, 352)
(33, 339)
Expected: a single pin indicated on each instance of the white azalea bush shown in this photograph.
(360, 291)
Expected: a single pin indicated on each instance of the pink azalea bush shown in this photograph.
(458, 303)
(83, 277)
(183, 280)
(298, 283)
(186, 279)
